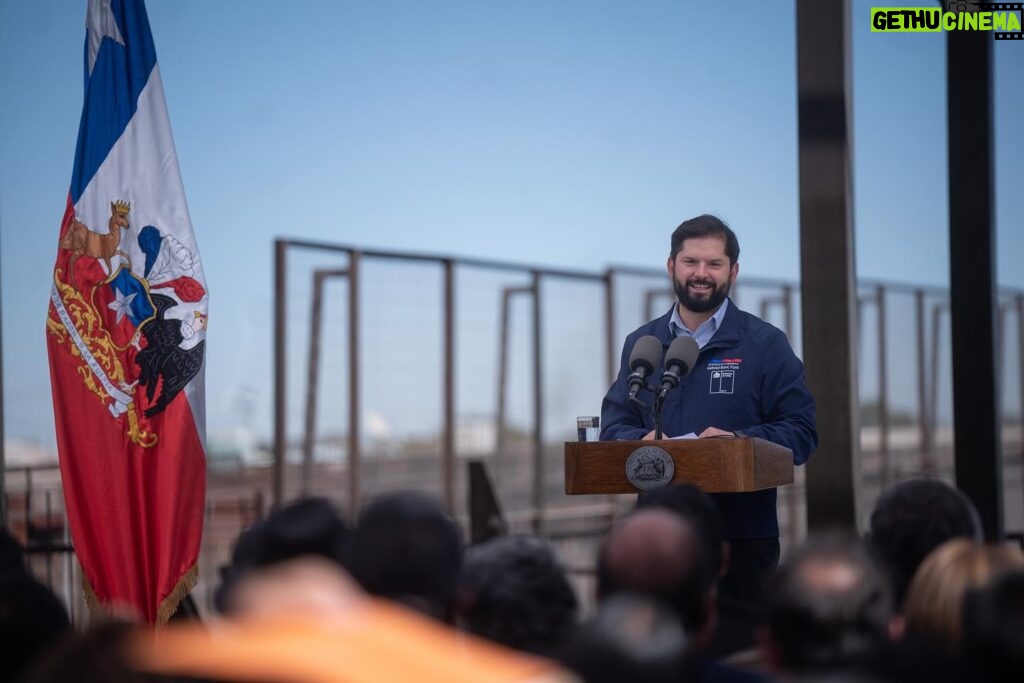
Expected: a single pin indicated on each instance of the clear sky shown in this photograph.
(574, 134)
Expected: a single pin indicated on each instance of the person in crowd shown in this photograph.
(631, 638)
(993, 629)
(96, 655)
(934, 607)
(913, 518)
(309, 526)
(406, 548)
(514, 591)
(746, 381)
(827, 611)
(32, 618)
(736, 622)
(659, 553)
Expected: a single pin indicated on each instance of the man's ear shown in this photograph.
(668, 266)
(734, 271)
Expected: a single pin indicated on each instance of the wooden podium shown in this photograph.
(716, 465)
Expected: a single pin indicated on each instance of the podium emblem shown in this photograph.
(649, 467)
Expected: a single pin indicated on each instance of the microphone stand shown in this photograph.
(659, 403)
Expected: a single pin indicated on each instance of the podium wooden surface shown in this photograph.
(716, 465)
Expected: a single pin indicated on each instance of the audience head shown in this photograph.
(934, 606)
(658, 553)
(32, 619)
(698, 508)
(913, 518)
(513, 591)
(311, 526)
(98, 655)
(993, 624)
(631, 638)
(406, 548)
(827, 608)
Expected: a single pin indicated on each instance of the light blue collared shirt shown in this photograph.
(703, 334)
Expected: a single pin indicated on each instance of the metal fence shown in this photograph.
(393, 370)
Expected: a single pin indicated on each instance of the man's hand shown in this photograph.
(649, 437)
(713, 431)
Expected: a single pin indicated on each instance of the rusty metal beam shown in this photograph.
(448, 396)
(354, 452)
(320, 278)
(280, 369)
(978, 455)
(828, 275)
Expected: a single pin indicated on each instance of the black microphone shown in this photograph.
(646, 356)
(679, 359)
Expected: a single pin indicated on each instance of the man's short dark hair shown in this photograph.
(828, 607)
(706, 225)
(32, 620)
(406, 548)
(913, 518)
(514, 591)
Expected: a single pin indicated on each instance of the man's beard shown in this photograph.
(703, 304)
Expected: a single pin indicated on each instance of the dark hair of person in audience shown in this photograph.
(32, 618)
(406, 548)
(514, 591)
(827, 609)
(97, 655)
(934, 605)
(993, 628)
(631, 638)
(657, 552)
(913, 518)
(309, 526)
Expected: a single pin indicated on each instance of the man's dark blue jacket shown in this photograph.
(746, 379)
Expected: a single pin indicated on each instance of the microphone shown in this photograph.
(679, 359)
(646, 356)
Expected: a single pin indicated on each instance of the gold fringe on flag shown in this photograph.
(168, 606)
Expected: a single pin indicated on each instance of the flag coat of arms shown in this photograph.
(126, 333)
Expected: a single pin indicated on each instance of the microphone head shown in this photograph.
(646, 354)
(682, 353)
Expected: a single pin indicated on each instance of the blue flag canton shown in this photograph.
(112, 88)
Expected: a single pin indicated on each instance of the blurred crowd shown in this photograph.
(395, 595)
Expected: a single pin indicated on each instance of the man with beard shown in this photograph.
(746, 382)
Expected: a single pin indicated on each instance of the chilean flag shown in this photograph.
(126, 334)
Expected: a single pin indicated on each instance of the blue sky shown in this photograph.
(573, 134)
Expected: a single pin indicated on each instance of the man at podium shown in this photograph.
(746, 381)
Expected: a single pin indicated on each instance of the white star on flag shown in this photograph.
(121, 305)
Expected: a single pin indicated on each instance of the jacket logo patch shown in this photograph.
(723, 375)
